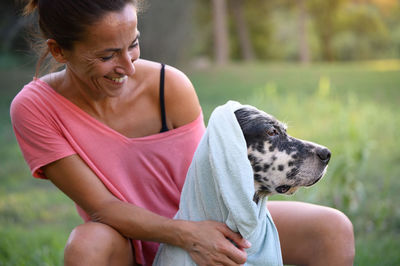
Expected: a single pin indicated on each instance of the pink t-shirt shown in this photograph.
(148, 172)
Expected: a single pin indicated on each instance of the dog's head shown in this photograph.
(281, 163)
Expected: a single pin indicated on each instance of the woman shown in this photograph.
(105, 134)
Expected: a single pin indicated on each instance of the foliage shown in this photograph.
(258, 17)
(363, 34)
(336, 29)
(324, 17)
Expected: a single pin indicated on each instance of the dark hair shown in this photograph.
(66, 21)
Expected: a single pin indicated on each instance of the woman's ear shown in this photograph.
(56, 51)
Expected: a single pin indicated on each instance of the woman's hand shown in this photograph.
(209, 243)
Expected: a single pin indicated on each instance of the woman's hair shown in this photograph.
(67, 21)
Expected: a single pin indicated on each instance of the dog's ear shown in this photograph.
(252, 128)
(243, 117)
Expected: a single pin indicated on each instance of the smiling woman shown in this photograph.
(104, 58)
(70, 28)
(87, 128)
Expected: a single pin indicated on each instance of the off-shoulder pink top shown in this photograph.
(148, 172)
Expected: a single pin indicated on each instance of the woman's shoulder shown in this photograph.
(146, 69)
(182, 104)
(27, 97)
(28, 106)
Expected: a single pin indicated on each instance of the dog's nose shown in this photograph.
(324, 154)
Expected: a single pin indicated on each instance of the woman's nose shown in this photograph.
(126, 66)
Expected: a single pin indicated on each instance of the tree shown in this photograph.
(242, 30)
(221, 37)
(304, 50)
(299, 9)
(324, 14)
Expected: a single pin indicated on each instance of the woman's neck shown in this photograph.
(67, 84)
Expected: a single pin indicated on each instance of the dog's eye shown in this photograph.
(272, 132)
(282, 189)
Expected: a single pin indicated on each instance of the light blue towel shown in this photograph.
(219, 186)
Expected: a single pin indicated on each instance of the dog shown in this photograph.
(281, 163)
(244, 156)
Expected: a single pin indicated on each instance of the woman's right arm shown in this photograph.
(206, 241)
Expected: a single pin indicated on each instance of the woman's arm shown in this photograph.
(205, 241)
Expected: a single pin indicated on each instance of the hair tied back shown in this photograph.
(30, 7)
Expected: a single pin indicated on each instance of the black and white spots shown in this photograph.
(281, 163)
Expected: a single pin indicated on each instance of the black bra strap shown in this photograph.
(164, 126)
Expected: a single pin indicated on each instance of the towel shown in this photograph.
(219, 186)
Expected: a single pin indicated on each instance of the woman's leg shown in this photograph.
(313, 235)
(97, 244)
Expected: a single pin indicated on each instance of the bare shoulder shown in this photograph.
(181, 101)
(180, 96)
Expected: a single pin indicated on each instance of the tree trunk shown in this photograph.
(304, 50)
(327, 51)
(242, 30)
(221, 38)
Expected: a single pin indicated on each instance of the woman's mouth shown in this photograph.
(119, 80)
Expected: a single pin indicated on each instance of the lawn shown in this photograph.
(352, 108)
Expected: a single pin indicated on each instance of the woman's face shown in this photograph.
(104, 60)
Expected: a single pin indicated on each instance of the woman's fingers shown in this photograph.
(235, 253)
(236, 238)
(213, 243)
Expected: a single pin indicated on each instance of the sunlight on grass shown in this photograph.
(384, 65)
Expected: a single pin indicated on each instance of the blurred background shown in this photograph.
(330, 69)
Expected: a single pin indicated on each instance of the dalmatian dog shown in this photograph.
(281, 163)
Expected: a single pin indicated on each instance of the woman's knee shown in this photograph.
(336, 235)
(312, 234)
(97, 244)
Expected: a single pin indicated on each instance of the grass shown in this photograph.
(35, 218)
(350, 108)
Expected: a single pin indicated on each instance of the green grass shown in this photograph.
(351, 108)
(35, 217)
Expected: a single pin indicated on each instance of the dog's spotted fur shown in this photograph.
(281, 163)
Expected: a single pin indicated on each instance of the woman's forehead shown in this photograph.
(115, 19)
(114, 28)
